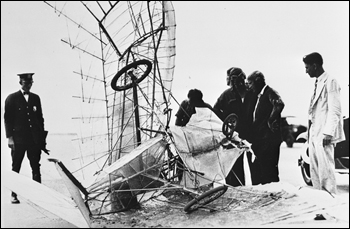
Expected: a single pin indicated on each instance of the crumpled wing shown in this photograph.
(44, 197)
(199, 145)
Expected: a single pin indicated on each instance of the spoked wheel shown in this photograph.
(205, 198)
(230, 125)
(140, 67)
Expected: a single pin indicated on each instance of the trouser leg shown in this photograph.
(322, 166)
(34, 155)
(265, 167)
(327, 173)
(314, 164)
(256, 172)
(270, 172)
(17, 158)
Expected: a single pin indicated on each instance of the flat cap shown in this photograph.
(234, 71)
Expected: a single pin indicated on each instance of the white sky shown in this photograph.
(211, 37)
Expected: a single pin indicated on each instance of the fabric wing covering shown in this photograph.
(199, 145)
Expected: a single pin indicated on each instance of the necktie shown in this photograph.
(25, 93)
(313, 96)
(256, 105)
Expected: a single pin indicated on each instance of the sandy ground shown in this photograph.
(283, 204)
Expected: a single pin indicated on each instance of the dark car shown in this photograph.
(290, 132)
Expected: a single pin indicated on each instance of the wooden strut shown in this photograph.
(136, 106)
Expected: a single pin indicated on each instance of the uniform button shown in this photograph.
(27, 113)
(30, 126)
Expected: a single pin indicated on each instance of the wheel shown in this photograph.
(205, 198)
(129, 82)
(229, 125)
(305, 171)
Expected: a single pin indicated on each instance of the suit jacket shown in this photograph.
(325, 110)
(269, 108)
(24, 120)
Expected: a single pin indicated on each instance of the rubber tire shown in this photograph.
(305, 172)
(226, 130)
(125, 69)
(205, 198)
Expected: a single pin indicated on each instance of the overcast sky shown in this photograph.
(211, 37)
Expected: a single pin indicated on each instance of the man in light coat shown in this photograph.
(325, 124)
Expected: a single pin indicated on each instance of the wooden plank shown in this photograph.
(75, 193)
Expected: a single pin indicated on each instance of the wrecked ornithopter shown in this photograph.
(128, 152)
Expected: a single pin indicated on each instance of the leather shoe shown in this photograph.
(14, 200)
(319, 217)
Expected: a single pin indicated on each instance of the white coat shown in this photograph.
(326, 114)
(326, 118)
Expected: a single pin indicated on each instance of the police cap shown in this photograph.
(26, 76)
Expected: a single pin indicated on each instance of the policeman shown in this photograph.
(24, 126)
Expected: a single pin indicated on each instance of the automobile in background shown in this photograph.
(291, 130)
(341, 155)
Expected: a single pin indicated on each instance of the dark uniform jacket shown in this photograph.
(24, 120)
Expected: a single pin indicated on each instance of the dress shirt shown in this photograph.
(26, 96)
(313, 96)
(257, 102)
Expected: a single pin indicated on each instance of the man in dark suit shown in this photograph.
(24, 126)
(266, 133)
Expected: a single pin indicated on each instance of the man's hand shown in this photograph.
(327, 140)
(11, 143)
